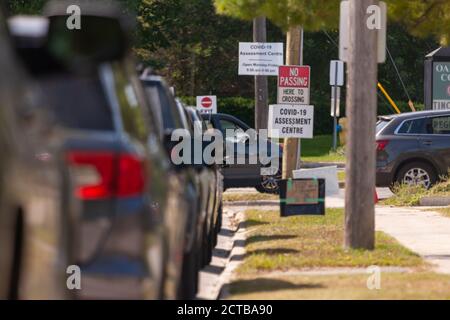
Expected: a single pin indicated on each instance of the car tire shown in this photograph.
(206, 248)
(217, 226)
(416, 173)
(189, 276)
(270, 184)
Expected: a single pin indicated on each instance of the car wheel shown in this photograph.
(189, 276)
(270, 184)
(417, 174)
(206, 247)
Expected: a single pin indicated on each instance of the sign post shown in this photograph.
(336, 82)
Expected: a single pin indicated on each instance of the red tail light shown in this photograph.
(131, 180)
(382, 144)
(119, 175)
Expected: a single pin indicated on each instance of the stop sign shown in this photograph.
(206, 102)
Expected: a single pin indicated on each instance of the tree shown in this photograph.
(423, 18)
(311, 14)
(191, 46)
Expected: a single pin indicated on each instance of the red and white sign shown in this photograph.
(293, 85)
(207, 104)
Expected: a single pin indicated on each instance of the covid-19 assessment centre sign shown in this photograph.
(260, 59)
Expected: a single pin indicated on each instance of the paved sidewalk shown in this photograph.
(424, 232)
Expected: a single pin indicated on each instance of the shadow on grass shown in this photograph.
(253, 223)
(269, 252)
(272, 252)
(254, 239)
(266, 284)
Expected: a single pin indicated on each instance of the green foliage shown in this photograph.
(423, 18)
(311, 14)
(410, 195)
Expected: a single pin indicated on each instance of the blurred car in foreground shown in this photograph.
(129, 237)
(36, 196)
(242, 166)
(413, 148)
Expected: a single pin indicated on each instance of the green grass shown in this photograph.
(319, 148)
(410, 195)
(443, 211)
(341, 176)
(394, 286)
(249, 196)
(277, 244)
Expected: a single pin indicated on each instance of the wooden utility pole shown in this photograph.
(261, 87)
(361, 114)
(293, 57)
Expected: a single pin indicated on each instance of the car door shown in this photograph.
(241, 160)
(436, 141)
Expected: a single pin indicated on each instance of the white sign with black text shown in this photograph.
(291, 121)
(294, 84)
(260, 58)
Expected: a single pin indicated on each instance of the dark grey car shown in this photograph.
(413, 148)
(242, 164)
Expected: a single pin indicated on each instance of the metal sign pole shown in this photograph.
(335, 94)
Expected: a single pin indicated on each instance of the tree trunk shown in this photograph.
(261, 86)
(293, 57)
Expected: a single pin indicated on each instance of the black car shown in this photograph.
(36, 195)
(129, 236)
(413, 148)
(196, 123)
(196, 180)
(242, 164)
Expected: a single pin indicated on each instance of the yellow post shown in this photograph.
(389, 98)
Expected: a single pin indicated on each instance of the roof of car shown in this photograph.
(408, 115)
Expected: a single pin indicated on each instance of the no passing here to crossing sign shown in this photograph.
(293, 85)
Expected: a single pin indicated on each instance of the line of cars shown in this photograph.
(86, 177)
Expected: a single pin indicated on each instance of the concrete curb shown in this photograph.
(435, 201)
(312, 165)
(236, 257)
(255, 203)
(211, 285)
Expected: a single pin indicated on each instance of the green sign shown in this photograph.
(441, 85)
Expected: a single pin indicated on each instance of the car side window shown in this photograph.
(416, 126)
(238, 131)
(440, 125)
(227, 125)
(131, 112)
